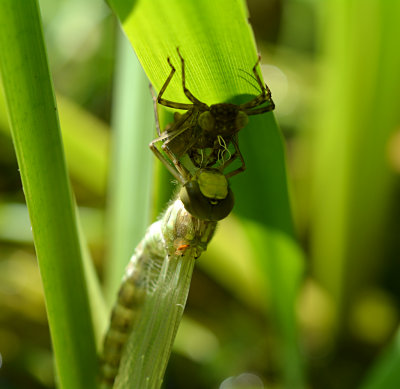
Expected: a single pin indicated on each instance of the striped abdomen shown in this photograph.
(124, 314)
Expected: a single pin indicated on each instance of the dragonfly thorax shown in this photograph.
(223, 119)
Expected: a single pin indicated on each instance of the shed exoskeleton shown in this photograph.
(204, 134)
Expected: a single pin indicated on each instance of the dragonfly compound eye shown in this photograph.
(206, 121)
(208, 196)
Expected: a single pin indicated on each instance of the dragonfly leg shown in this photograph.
(267, 108)
(178, 128)
(187, 92)
(172, 169)
(168, 103)
(263, 97)
(184, 173)
(154, 97)
(235, 155)
(183, 123)
(187, 145)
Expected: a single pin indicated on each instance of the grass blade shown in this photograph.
(131, 166)
(86, 142)
(37, 139)
(386, 373)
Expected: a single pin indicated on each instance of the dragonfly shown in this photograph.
(158, 275)
(159, 270)
(203, 134)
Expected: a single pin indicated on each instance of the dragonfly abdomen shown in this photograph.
(124, 314)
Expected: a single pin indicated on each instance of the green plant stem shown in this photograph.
(129, 193)
(36, 135)
(86, 143)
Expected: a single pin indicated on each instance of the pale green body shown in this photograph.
(157, 279)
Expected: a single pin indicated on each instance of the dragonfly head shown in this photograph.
(208, 196)
(223, 118)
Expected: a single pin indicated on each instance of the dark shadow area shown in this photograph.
(261, 191)
(122, 8)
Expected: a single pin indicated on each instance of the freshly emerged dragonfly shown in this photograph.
(156, 278)
(203, 134)
(155, 286)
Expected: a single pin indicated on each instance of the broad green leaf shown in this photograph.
(218, 46)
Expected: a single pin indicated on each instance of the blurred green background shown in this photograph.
(333, 68)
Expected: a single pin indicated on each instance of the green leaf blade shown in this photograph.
(37, 139)
(217, 44)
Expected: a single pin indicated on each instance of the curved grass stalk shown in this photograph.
(151, 300)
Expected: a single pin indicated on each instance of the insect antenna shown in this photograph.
(246, 79)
